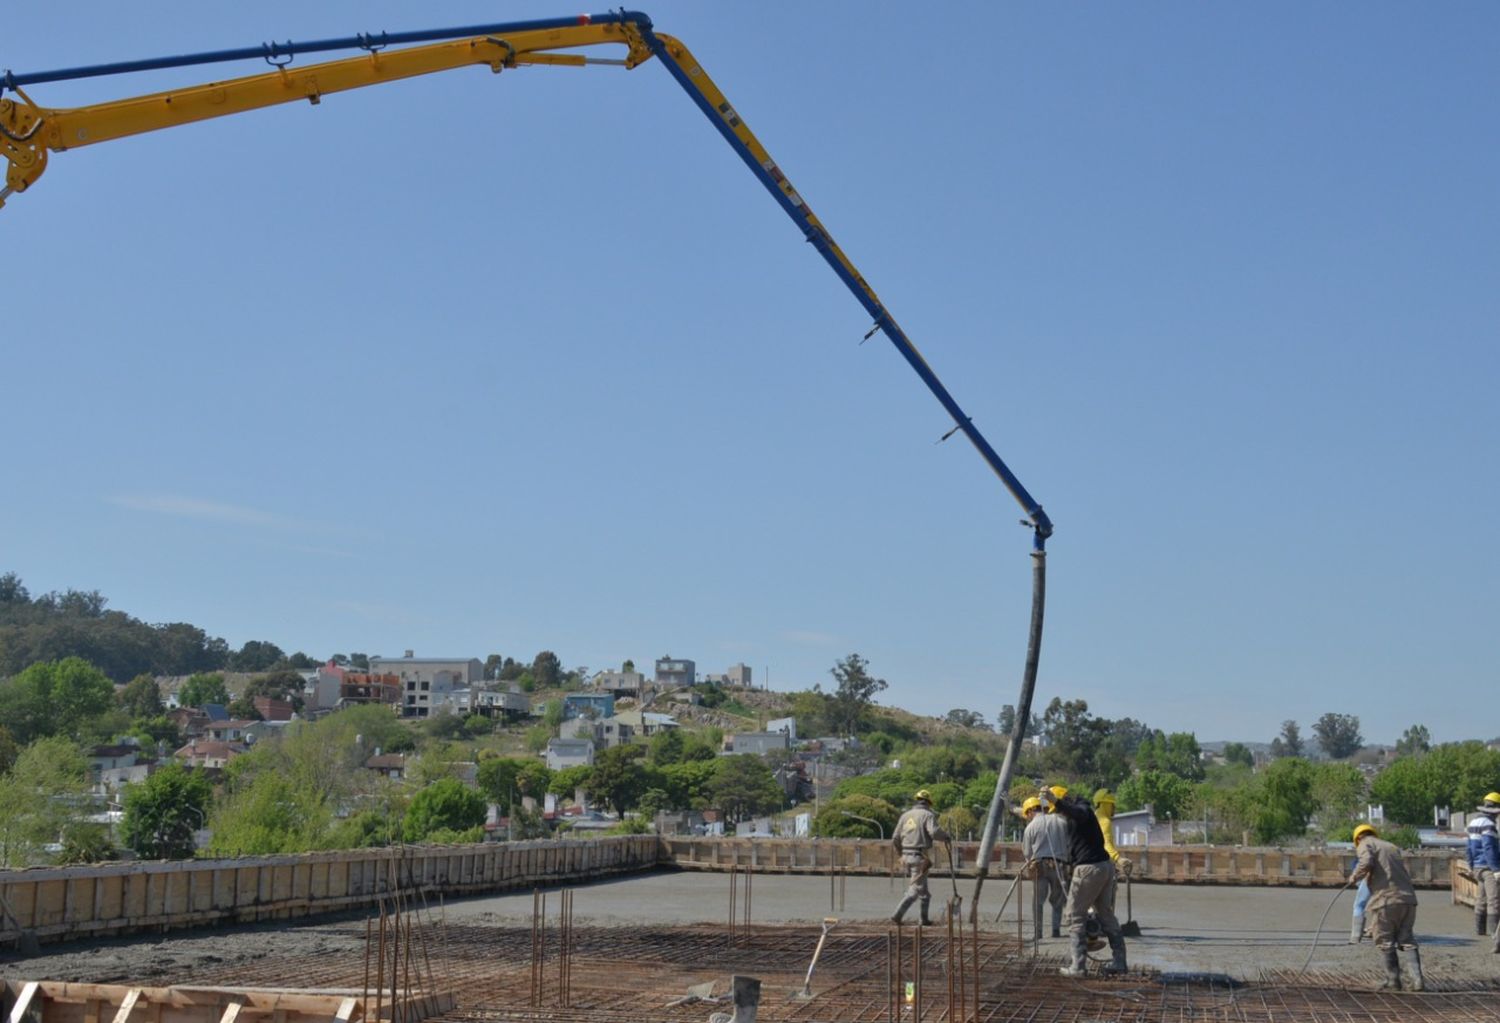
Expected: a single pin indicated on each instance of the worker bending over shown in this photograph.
(1483, 851)
(1392, 910)
(1093, 873)
(1044, 843)
(916, 830)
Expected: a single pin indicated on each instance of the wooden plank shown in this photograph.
(346, 1010)
(231, 1012)
(131, 997)
(23, 1002)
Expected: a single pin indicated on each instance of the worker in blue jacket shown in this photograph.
(1483, 850)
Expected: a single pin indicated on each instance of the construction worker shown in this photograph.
(1044, 843)
(1393, 906)
(1093, 871)
(916, 830)
(1483, 851)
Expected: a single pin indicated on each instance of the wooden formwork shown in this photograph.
(64, 903)
(1183, 864)
(59, 1002)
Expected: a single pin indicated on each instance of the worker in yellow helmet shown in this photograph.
(1392, 910)
(916, 830)
(1044, 843)
(1104, 809)
(1483, 852)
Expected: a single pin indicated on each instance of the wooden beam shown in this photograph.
(346, 1010)
(131, 997)
(231, 1012)
(23, 1002)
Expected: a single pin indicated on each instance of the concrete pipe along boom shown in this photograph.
(29, 133)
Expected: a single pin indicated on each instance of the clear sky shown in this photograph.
(478, 365)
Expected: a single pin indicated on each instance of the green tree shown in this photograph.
(1285, 800)
(1238, 753)
(9, 750)
(687, 784)
(43, 794)
(1288, 743)
(243, 709)
(743, 786)
(203, 689)
(55, 698)
(1177, 754)
(256, 655)
(552, 715)
(666, 747)
(962, 718)
(505, 780)
(569, 780)
(141, 698)
(163, 813)
(854, 692)
(652, 802)
(1455, 774)
(620, 776)
(1169, 795)
(268, 812)
(834, 820)
(284, 685)
(1074, 738)
(1338, 792)
(85, 842)
(1416, 739)
(446, 804)
(1338, 734)
(546, 669)
(492, 665)
(960, 822)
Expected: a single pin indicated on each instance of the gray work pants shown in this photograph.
(1049, 888)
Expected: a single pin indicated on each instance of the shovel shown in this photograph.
(1129, 928)
(806, 995)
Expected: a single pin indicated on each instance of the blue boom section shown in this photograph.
(1041, 524)
(281, 51)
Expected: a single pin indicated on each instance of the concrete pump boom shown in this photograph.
(28, 133)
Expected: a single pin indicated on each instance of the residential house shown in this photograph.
(644, 722)
(738, 675)
(787, 725)
(208, 754)
(428, 683)
(388, 765)
(761, 742)
(509, 704)
(228, 731)
(621, 683)
(1140, 828)
(672, 673)
(562, 753)
(589, 705)
(271, 709)
(611, 731)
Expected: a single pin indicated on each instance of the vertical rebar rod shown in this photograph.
(917, 974)
(948, 1012)
(380, 964)
(364, 991)
(962, 969)
(900, 971)
(749, 881)
(974, 951)
(890, 990)
(734, 891)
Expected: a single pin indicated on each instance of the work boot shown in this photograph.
(1392, 980)
(926, 920)
(901, 908)
(1413, 977)
(1057, 923)
(1079, 949)
(1357, 929)
(1479, 921)
(1117, 951)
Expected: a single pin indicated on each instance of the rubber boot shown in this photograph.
(1057, 921)
(1495, 945)
(1413, 975)
(1079, 949)
(1117, 950)
(1357, 929)
(1479, 920)
(926, 920)
(901, 908)
(1392, 980)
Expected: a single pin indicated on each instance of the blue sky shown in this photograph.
(475, 364)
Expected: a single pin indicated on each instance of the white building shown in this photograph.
(428, 683)
(563, 753)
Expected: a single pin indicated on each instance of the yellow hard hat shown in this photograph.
(1057, 792)
(1362, 830)
(923, 796)
(1031, 803)
(1491, 801)
(1103, 796)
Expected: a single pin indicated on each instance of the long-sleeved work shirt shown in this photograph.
(1045, 837)
(1085, 839)
(1380, 863)
(1483, 847)
(917, 829)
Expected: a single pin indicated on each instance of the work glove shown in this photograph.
(1127, 866)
